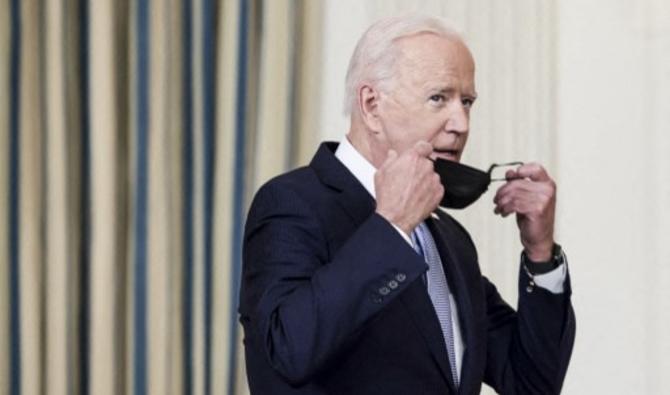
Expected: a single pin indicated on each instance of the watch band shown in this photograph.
(536, 268)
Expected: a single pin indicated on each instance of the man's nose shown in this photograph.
(459, 120)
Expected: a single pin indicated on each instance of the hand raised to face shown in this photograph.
(407, 187)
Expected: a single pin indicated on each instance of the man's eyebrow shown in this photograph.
(450, 90)
(442, 89)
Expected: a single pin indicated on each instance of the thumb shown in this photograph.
(423, 148)
(391, 156)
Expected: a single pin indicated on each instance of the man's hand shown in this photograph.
(407, 187)
(532, 196)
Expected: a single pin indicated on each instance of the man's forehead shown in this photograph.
(434, 62)
(430, 48)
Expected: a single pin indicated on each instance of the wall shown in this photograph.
(614, 113)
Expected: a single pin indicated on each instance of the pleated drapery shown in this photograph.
(133, 135)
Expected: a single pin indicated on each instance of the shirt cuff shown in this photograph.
(553, 281)
(403, 234)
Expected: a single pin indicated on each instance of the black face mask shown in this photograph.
(463, 185)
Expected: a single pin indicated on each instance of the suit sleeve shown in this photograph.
(303, 303)
(528, 350)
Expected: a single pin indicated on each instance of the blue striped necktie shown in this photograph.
(438, 289)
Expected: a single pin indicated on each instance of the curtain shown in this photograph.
(133, 135)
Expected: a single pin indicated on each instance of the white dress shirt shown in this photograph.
(364, 172)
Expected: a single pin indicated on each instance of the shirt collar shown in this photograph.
(363, 170)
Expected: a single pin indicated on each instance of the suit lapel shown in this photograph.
(355, 200)
(420, 308)
(453, 264)
(352, 196)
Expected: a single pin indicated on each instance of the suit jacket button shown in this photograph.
(400, 277)
(384, 291)
(393, 284)
(376, 299)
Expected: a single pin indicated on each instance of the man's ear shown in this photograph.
(368, 104)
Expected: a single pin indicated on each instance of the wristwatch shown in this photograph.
(536, 268)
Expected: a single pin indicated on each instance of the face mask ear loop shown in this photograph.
(493, 166)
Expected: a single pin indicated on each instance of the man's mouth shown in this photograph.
(447, 153)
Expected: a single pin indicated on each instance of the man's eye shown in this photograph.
(468, 102)
(438, 98)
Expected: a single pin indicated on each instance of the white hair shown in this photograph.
(374, 56)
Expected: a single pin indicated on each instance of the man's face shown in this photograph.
(429, 97)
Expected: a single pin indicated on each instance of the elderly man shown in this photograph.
(356, 282)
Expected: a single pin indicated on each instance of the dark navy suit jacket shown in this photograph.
(315, 321)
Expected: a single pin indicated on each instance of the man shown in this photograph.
(355, 282)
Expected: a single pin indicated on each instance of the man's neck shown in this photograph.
(357, 164)
(362, 144)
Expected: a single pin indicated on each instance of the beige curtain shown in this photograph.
(132, 136)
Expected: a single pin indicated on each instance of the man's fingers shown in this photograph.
(517, 205)
(506, 205)
(524, 197)
(515, 187)
(423, 148)
(526, 186)
(534, 171)
(533, 202)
